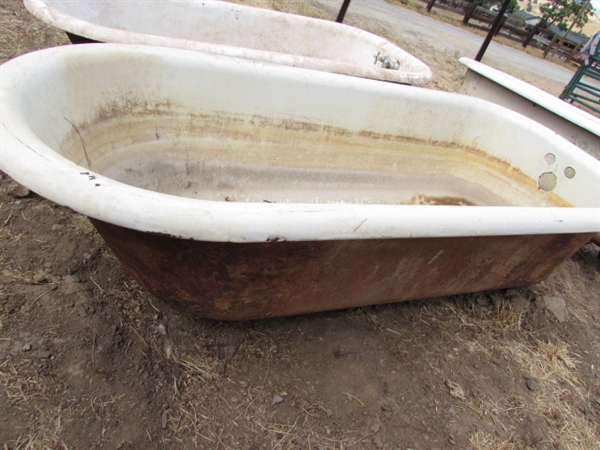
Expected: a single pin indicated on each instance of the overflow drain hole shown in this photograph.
(547, 181)
(570, 172)
(549, 158)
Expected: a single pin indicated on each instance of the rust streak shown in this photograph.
(360, 225)
(87, 158)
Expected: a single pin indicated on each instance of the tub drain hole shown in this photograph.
(550, 158)
(547, 181)
(570, 172)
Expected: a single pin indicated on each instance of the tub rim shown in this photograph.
(31, 162)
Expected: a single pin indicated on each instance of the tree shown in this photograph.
(563, 12)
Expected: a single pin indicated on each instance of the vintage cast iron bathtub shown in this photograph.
(223, 28)
(238, 190)
(572, 123)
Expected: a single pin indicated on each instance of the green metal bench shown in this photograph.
(584, 87)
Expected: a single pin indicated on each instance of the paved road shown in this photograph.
(452, 41)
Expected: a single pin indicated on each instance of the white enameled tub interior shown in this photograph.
(217, 148)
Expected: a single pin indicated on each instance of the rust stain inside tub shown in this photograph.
(226, 157)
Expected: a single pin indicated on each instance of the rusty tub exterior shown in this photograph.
(243, 281)
(240, 190)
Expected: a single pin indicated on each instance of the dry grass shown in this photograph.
(560, 399)
(480, 440)
(227, 414)
(548, 362)
(561, 396)
(24, 34)
(44, 432)
(486, 323)
(23, 388)
(502, 412)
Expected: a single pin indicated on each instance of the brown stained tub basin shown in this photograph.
(239, 190)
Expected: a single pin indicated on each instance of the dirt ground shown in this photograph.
(88, 360)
